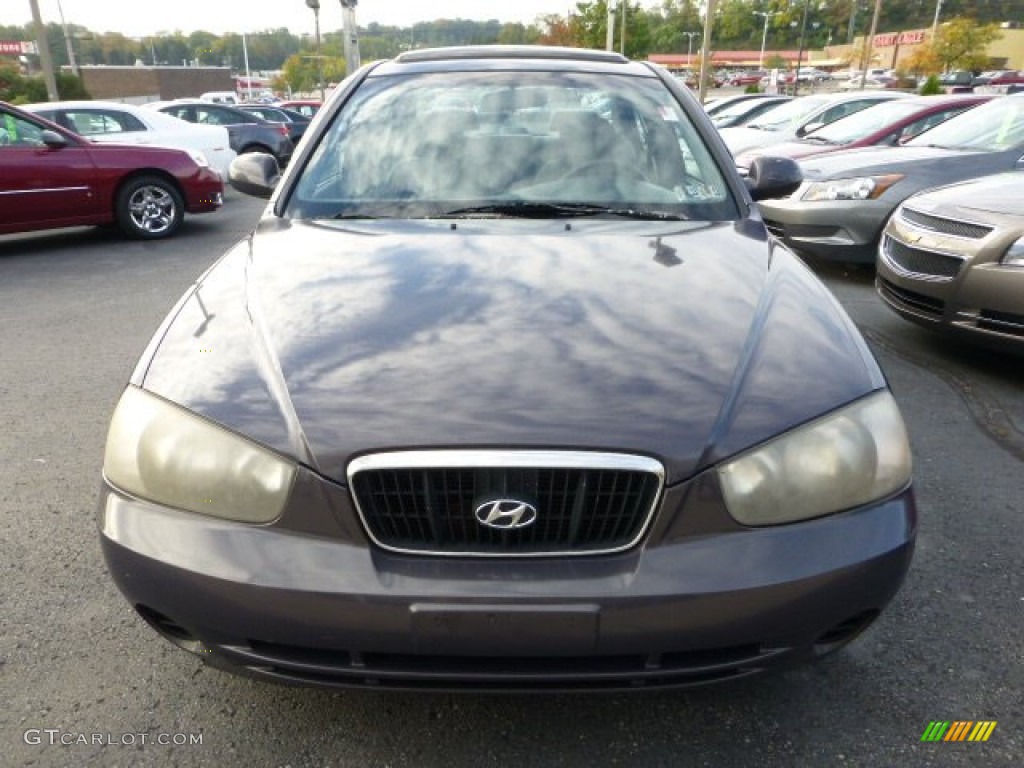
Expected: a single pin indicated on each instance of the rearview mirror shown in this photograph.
(255, 174)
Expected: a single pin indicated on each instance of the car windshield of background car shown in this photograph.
(860, 124)
(481, 144)
(993, 127)
(789, 115)
(738, 109)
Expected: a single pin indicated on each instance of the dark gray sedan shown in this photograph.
(509, 389)
(839, 211)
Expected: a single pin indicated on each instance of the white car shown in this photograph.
(113, 122)
(798, 117)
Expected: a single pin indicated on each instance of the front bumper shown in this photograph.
(204, 191)
(983, 302)
(691, 605)
(841, 230)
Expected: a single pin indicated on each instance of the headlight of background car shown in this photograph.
(860, 188)
(851, 457)
(169, 455)
(1014, 256)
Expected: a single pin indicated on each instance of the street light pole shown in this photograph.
(764, 35)
(67, 41)
(689, 46)
(935, 21)
(315, 6)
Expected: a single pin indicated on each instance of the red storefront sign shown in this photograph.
(16, 48)
(899, 38)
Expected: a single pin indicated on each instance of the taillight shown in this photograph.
(283, 129)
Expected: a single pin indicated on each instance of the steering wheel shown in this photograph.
(606, 167)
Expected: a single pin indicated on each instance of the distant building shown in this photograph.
(143, 83)
(888, 49)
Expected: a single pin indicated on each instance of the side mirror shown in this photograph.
(52, 139)
(803, 130)
(254, 174)
(770, 177)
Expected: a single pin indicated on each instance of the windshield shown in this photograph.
(789, 115)
(737, 110)
(994, 126)
(860, 124)
(537, 144)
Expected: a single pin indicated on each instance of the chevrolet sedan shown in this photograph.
(952, 259)
(509, 389)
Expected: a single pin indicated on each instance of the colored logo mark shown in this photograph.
(958, 730)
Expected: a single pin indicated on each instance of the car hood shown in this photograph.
(793, 149)
(871, 160)
(1002, 194)
(741, 139)
(687, 342)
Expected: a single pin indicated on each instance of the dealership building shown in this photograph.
(889, 50)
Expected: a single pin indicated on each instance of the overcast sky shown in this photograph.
(145, 17)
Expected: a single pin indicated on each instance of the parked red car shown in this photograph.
(51, 178)
(307, 107)
(887, 124)
(1009, 78)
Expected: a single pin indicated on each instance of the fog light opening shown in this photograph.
(843, 632)
(171, 630)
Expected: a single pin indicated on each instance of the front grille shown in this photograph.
(920, 262)
(917, 302)
(427, 502)
(945, 226)
(1003, 322)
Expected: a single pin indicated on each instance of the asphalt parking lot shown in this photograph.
(85, 682)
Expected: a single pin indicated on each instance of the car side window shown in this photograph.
(16, 132)
(92, 122)
(929, 121)
(182, 113)
(214, 116)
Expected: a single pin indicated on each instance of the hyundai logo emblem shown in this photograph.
(506, 514)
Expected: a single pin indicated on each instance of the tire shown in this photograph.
(149, 208)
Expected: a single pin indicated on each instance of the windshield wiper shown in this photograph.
(820, 140)
(528, 210)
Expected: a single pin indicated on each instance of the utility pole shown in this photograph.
(622, 32)
(351, 40)
(609, 40)
(868, 42)
(705, 62)
(45, 59)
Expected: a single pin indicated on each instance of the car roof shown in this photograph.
(515, 57)
(510, 52)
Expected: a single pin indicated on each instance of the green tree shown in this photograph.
(960, 44)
